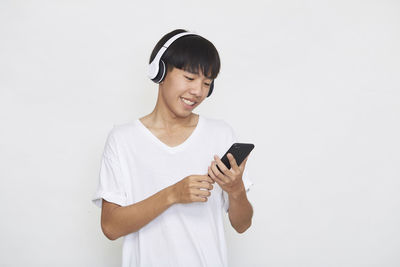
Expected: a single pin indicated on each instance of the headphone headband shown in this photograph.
(154, 65)
(157, 68)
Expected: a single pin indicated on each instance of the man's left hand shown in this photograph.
(229, 180)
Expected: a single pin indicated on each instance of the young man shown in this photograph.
(159, 185)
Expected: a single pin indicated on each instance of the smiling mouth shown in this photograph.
(188, 102)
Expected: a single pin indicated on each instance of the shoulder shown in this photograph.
(120, 132)
(219, 132)
(218, 125)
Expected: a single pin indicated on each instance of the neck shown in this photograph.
(163, 117)
(160, 119)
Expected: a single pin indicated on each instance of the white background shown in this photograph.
(313, 84)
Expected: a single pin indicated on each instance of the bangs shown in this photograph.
(194, 54)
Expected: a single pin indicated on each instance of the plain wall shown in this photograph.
(313, 84)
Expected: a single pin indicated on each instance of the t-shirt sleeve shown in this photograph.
(110, 186)
(246, 181)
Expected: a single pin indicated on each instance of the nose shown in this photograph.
(196, 88)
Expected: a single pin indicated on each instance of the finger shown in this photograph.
(243, 164)
(213, 177)
(211, 174)
(233, 162)
(201, 193)
(200, 181)
(203, 185)
(196, 198)
(203, 178)
(223, 178)
(199, 199)
(207, 178)
(221, 165)
(200, 185)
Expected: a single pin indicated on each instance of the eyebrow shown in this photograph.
(192, 72)
(197, 73)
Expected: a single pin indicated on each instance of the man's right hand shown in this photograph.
(193, 188)
(117, 221)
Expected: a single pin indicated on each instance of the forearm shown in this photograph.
(240, 211)
(121, 221)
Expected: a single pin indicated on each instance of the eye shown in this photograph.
(189, 78)
(208, 83)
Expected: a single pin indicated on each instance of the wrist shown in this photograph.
(170, 195)
(238, 194)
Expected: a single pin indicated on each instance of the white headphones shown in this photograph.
(157, 67)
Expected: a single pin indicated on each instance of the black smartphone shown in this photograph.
(239, 151)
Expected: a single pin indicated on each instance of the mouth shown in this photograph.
(188, 102)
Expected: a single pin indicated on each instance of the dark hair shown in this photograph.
(191, 53)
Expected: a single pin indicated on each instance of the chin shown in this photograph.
(184, 114)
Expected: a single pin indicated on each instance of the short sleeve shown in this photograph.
(246, 181)
(110, 185)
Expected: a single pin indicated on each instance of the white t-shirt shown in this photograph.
(136, 164)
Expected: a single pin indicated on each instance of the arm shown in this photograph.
(117, 221)
(240, 209)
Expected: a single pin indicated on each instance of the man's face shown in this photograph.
(182, 91)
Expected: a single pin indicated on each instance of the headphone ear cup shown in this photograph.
(211, 88)
(161, 72)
